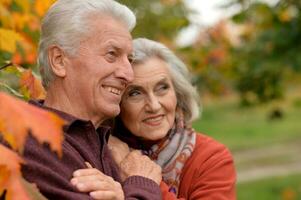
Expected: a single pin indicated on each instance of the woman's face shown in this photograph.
(149, 103)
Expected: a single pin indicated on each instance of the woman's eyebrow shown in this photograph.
(134, 87)
(163, 80)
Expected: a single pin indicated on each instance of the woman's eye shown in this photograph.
(163, 87)
(133, 93)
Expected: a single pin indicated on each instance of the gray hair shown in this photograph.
(66, 23)
(187, 96)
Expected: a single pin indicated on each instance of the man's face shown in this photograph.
(100, 70)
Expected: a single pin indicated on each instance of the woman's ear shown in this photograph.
(56, 57)
(179, 113)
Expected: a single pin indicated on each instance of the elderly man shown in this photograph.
(84, 57)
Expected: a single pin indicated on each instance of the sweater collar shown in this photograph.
(70, 119)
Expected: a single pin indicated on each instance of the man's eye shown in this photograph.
(130, 58)
(111, 56)
(112, 53)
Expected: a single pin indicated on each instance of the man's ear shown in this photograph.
(57, 60)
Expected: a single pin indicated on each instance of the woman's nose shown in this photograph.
(153, 104)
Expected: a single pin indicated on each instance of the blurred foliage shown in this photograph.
(269, 49)
(255, 53)
(211, 60)
(19, 33)
(159, 19)
(19, 30)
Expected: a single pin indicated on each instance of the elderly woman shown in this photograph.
(157, 109)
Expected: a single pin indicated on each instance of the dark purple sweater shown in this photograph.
(82, 143)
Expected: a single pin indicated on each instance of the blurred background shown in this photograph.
(245, 56)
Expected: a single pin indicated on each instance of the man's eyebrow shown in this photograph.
(115, 45)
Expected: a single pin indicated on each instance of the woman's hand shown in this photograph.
(132, 163)
(136, 164)
(118, 148)
(99, 185)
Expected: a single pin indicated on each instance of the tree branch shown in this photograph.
(6, 65)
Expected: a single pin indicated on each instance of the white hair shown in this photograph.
(187, 96)
(67, 22)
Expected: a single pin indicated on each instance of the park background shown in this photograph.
(246, 66)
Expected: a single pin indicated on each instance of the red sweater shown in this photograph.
(209, 173)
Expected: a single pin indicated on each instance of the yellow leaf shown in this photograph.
(5, 17)
(24, 4)
(41, 6)
(8, 40)
(5, 2)
(20, 20)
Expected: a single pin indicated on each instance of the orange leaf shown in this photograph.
(31, 57)
(10, 175)
(41, 6)
(18, 117)
(32, 85)
(17, 58)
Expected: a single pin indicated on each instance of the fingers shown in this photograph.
(88, 165)
(100, 186)
(119, 149)
(91, 178)
(85, 185)
(82, 177)
(137, 164)
(104, 195)
(87, 172)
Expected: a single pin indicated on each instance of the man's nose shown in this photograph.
(125, 71)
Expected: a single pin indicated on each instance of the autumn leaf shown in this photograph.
(20, 20)
(8, 40)
(41, 6)
(5, 16)
(6, 2)
(24, 4)
(31, 86)
(18, 117)
(32, 191)
(10, 175)
(17, 58)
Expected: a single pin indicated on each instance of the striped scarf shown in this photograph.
(172, 153)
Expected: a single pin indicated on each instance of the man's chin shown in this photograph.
(113, 112)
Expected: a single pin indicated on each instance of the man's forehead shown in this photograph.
(111, 33)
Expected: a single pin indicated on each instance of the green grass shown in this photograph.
(250, 128)
(241, 128)
(278, 188)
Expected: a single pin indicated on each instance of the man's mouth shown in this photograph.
(113, 90)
